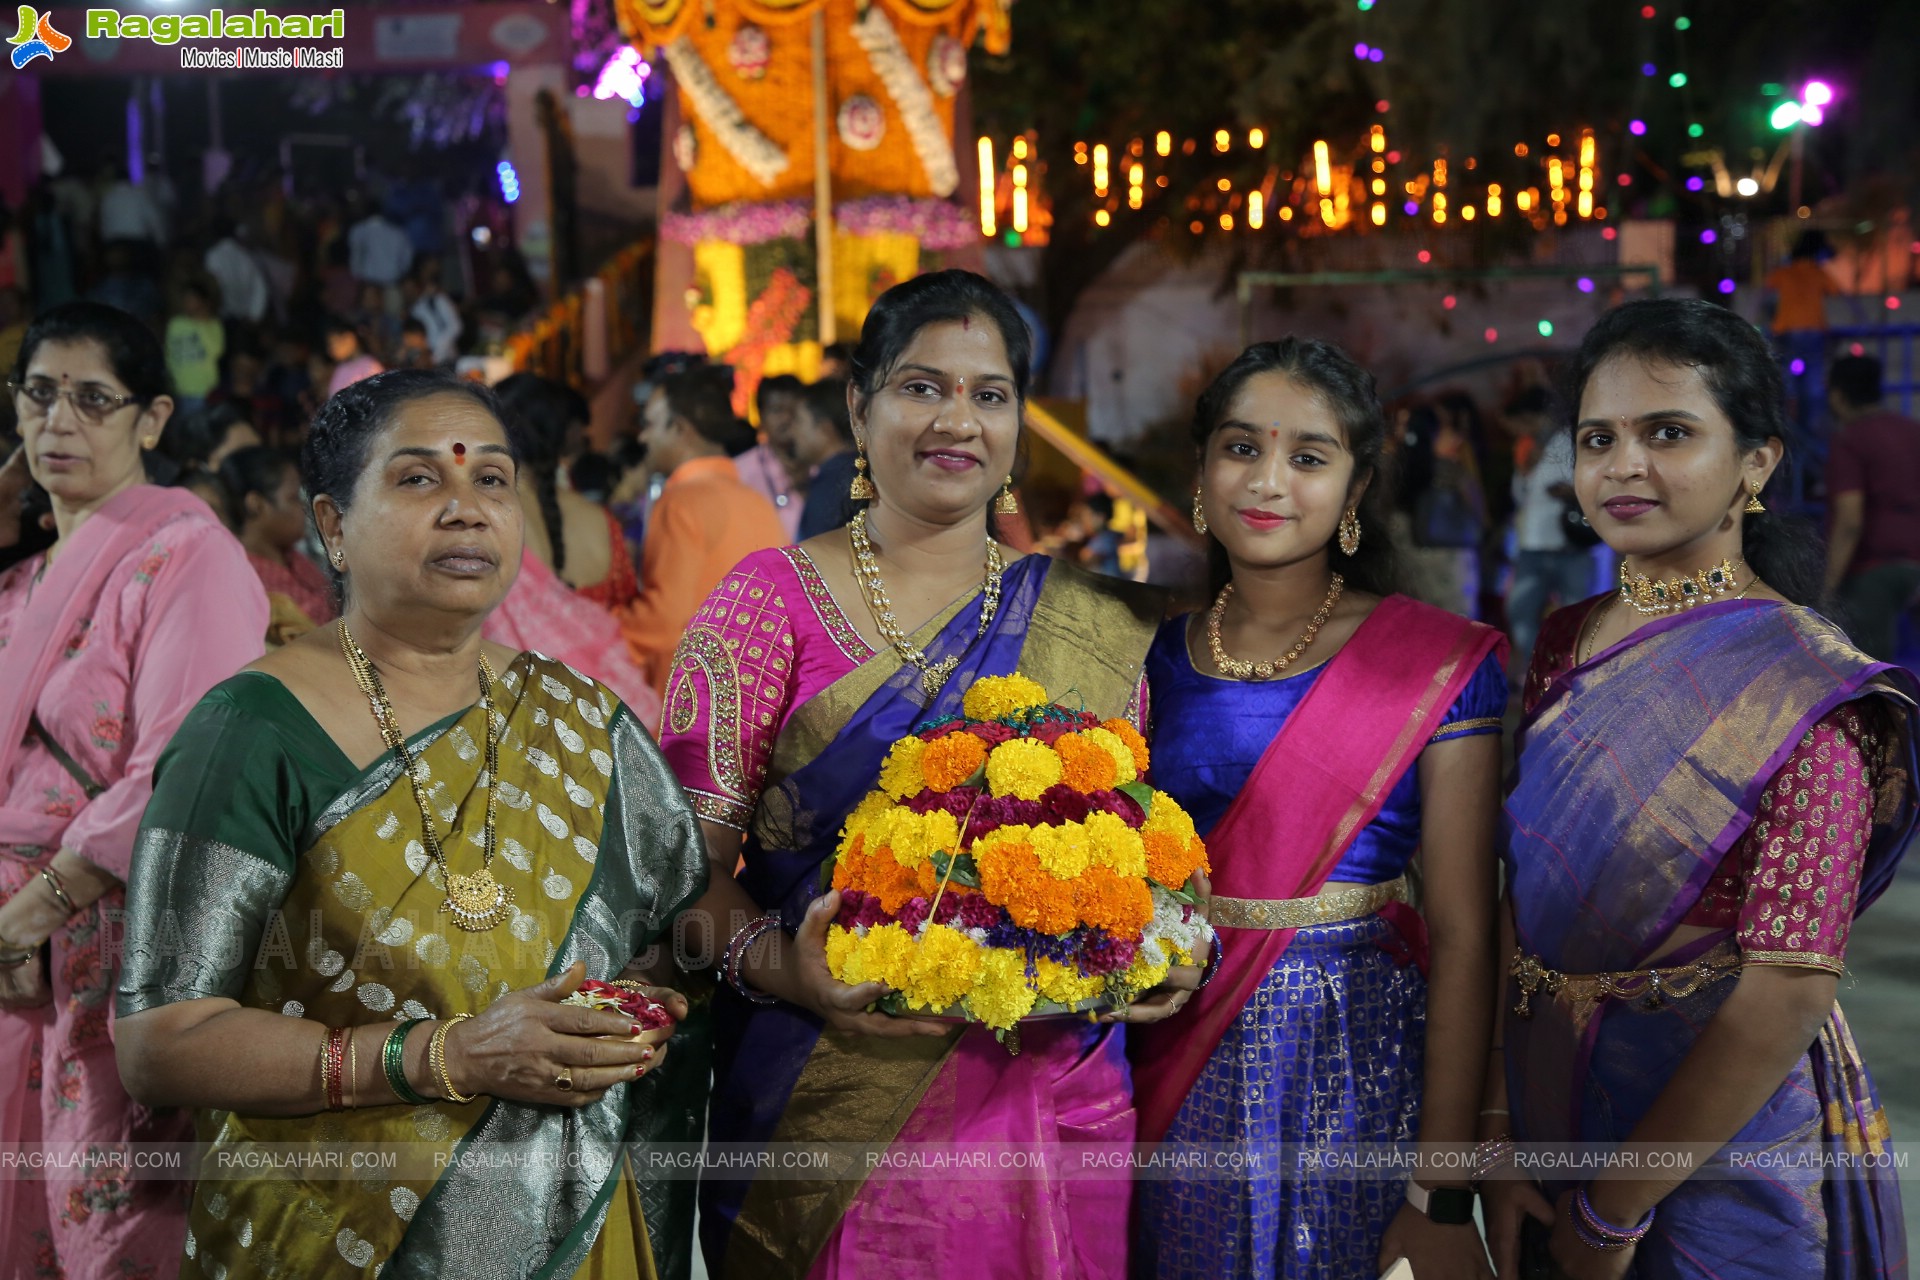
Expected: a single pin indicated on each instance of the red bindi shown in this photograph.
(459, 454)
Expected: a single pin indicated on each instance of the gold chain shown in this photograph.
(1654, 596)
(1239, 670)
(867, 567)
(477, 902)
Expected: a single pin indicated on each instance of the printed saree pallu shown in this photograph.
(321, 903)
(1636, 772)
(781, 1078)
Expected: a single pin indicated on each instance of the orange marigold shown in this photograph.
(1086, 766)
(876, 871)
(1013, 877)
(1172, 861)
(1124, 730)
(1120, 905)
(951, 760)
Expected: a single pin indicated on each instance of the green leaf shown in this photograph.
(964, 872)
(1142, 795)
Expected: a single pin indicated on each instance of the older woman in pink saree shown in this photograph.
(107, 639)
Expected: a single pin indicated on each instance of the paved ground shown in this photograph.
(1881, 997)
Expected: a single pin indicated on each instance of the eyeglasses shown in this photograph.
(93, 403)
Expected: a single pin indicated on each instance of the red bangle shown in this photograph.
(333, 1059)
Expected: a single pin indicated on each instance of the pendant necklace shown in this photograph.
(477, 902)
(933, 675)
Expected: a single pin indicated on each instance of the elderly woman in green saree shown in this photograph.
(375, 865)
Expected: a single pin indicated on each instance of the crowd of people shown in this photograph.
(304, 715)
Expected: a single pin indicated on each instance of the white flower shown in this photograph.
(910, 95)
(758, 154)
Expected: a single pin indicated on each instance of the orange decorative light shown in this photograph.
(1256, 210)
(1163, 143)
(986, 186)
(1221, 140)
(1256, 138)
(1322, 168)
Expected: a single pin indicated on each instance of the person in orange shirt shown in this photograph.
(705, 521)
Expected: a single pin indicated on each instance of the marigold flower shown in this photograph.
(945, 966)
(951, 760)
(1116, 846)
(1065, 851)
(1104, 900)
(1011, 875)
(1086, 765)
(1001, 996)
(1022, 768)
(1125, 770)
(992, 697)
(1063, 984)
(1137, 745)
(900, 776)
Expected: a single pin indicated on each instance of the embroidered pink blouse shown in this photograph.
(768, 638)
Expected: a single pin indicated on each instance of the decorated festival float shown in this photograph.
(811, 164)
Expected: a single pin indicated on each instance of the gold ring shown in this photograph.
(564, 1081)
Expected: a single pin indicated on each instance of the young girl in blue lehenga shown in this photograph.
(1321, 731)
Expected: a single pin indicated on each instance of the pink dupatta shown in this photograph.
(542, 614)
(69, 592)
(1321, 780)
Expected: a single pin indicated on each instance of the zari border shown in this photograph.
(1479, 724)
(713, 808)
(826, 609)
(1799, 959)
(705, 650)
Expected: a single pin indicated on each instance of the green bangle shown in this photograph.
(393, 1060)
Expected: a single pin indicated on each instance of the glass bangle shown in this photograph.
(393, 1061)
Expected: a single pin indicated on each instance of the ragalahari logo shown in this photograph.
(37, 38)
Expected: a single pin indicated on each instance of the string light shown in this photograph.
(1163, 143)
(1101, 217)
(1020, 199)
(986, 186)
(1136, 180)
(1493, 199)
(1466, 213)
(1256, 210)
(1079, 153)
(1322, 167)
(1379, 215)
(1100, 171)
(1225, 184)
(1377, 139)
(1439, 206)
(1256, 138)
(509, 181)
(1226, 222)
(1221, 140)
(1546, 328)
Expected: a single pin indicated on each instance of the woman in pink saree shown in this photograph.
(107, 639)
(784, 697)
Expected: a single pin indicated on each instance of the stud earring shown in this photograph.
(1199, 515)
(861, 490)
(1754, 506)
(339, 558)
(1008, 503)
(1349, 532)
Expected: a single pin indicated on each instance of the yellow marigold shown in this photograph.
(1144, 973)
(1116, 846)
(841, 944)
(1124, 768)
(1063, 984)
(885, 954)
(1124, 730)
(1168, 816)
(1023, 768)
(945, 967)
(1119, 905)
(1065, 851)
(992, 697)
(875, 806)
(900, 776)
(1085, 764)
(951, 760)
(915, 837)
(1001, 996)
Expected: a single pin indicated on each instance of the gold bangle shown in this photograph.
(353, 1067)
(59, 887)
(437, 1059)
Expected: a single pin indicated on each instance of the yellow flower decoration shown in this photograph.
(1124, 730)
(885, 954)
(915, 837)
(841, 944)
(1116, 846)
(992, 697)
(900, 776)
(944, 969)
(1064, 984)
(1122, 754)
(1001, 996)
(1065, 850)
(1144, 974)
(870, 811)
(1022, 768)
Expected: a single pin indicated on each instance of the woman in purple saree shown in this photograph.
(786, 693)
(1711, 783)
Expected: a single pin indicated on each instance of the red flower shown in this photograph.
(1051, 731)
(152, 564)
(990, 733)
(107, 729)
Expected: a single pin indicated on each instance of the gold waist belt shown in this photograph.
(1350, 902)
(1647, 989)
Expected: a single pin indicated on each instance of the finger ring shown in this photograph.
(564, 1081)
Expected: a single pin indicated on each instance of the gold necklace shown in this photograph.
(1239, 670)
(477, 902)
(1652, 596)
(867, 567)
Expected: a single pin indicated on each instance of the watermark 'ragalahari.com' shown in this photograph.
(172, 28)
